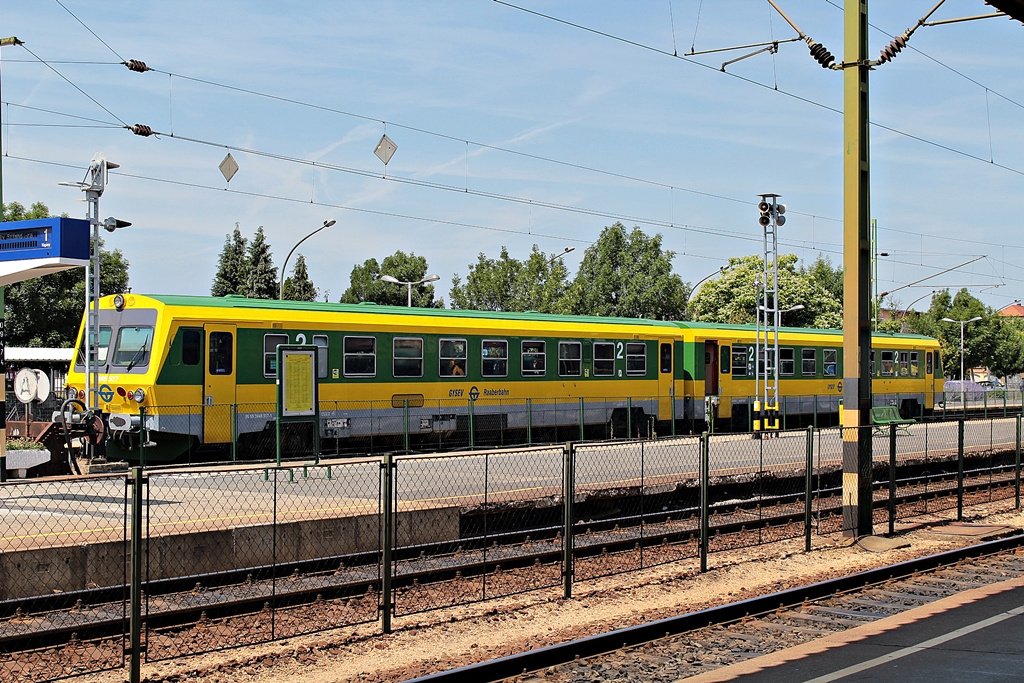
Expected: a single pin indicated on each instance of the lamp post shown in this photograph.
(394, 280)
(720, 270)
(963, 323)
(558, 256)
(280, 289)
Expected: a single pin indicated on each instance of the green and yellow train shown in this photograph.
(204, 370)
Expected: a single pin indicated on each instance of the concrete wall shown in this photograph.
(44, 571)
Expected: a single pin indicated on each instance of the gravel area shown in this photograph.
(444, 639)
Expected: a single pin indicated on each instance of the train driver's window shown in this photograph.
(636, 359)
(321, 355)
(570, 359)
(534, 358)
(133, 347)
(408, 357)
(452, 358)
(787, 361)
(360, 356)
(221, 355)
(830, 362)
(494, 358)
(191, 343)
(604, 359)
(739, 361)
(270, 343)
(808, 362)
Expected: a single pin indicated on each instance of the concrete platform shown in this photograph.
(976, 532)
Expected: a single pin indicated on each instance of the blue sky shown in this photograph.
(514, 129)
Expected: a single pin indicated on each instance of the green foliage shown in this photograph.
(365, 283)
(627, 274)
(508, 284)
(232, 266)
(299, 287)
(24, 443)
(733, 297)
(261, 273)
(830, 278)
(46, 311)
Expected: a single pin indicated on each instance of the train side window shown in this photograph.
(494, 362)
(636, 359)
(666, 359)
(321, 355)
(739, 361)
(888, 363)
(928, 368)
(725, 357)
(191, 347)
(808, 362)
(408, 357)
(570, 356)
(270, 343)
(787, 361)
(904, 364)
(915, 367)
(534, 358)
(830, 362)
(871, 368)
(221, 355)
(360, 356)
(452, 358)
(604, 359)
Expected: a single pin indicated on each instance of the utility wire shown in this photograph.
(89, 29)
(72, 84)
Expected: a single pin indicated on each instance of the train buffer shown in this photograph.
(883, 416)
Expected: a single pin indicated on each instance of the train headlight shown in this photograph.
(139, 395)
(119, 301)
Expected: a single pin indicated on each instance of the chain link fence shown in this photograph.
(242, 554)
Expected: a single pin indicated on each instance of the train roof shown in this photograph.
(241, 302)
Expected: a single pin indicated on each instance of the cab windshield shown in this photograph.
(100, 349)
(133, 347)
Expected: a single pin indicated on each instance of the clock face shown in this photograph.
(25, 385)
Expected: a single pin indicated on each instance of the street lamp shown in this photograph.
(280, 289)
(963, 389)
(558, 256)
(720, 270)
(394, 280)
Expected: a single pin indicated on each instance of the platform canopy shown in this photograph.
(1013, 8)
(38, 247)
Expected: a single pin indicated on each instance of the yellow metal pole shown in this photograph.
(857, 276)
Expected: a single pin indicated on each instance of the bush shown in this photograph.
(24, 443)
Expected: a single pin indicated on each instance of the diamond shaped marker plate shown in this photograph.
(228, 167)
(385, 149)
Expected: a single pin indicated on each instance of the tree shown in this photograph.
(627, 274)
(232, 266)
(46, 311)
(261, 274)
(1008, 358)
(365, 283)
(735, 295)
(980, 338)
(829, 277)
(508, 284)
(299, 287)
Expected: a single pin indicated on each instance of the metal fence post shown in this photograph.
(142, 436)
(387, 467)
(960, 471)
(892, 478)
(808, 489)
(469, 409)
(1016, 468)
(705, 506)
(405, 413)
(234, 432)
(629, 418)
(568, 500)
(582, 418)
(135, 590)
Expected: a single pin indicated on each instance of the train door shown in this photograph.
(666, 383)
(711, 368)
(219, 384)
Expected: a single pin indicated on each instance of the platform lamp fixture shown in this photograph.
(962, 323)
(396, 281)
(280, 289)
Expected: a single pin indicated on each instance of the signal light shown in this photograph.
(771, 213)
(765, 208)
(823, 56)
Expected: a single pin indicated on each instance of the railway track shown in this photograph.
(679, 647)
(423, 571)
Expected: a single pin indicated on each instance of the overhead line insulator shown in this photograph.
(893, 48)
(141, 130)
(136, 65)
(821, 55)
